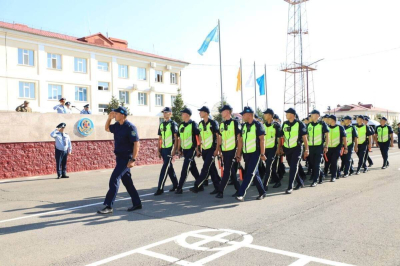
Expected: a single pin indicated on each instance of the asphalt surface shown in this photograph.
(45, 221)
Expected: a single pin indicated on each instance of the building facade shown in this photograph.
(41, 67)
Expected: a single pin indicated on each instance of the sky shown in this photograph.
(358, 41)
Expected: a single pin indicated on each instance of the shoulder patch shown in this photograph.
(133, 133)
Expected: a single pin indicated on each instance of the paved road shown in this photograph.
(44, 221)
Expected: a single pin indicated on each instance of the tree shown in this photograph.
(378, 117)
(395, 127)
(177, 106)
(260, 113)
(114, 104)
(218, 117)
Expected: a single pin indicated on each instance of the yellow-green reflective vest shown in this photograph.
(270, 136)
(383, 134)
(314, 135)
(249, 139)
(334, 137)
(291, 135)
(186, 137)
(362, 134)
(349, 136)
(166, 135)
(206, 135)
(228, 136)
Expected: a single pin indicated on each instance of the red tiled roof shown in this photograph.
(24, 28)
(358, 108)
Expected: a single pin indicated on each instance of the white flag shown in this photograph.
(250, 80)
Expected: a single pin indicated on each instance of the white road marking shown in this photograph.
(230, 246)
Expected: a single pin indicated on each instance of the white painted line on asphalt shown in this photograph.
(230, 246)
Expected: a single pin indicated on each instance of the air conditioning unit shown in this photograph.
(153, 64)
(169, 67)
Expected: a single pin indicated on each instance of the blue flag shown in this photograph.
(261, 84)
(212, 36)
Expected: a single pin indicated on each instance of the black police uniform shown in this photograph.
(368, 158)
(125, 137)
(362, 150)
(166, 154)
(316, 152)
(333, 153)
(384, 145)
(347, 160)
(272, 159)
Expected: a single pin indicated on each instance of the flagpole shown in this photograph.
(241, 81)
(265, 82)
(255, 88)
(220, 60)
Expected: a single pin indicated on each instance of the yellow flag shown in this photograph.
(239, 81)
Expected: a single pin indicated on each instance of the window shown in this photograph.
(54, 92)
(142, 98)
(159, 100)
(158, 76)
(102, 108)
(102, 86)
(54, 61)
(174, 79)
(80, 94)
(123, 71)
(27, 90)
(173, 98)
(25, 57)
(80, 65)
(124, 97)
(102, 66)
(141, 73)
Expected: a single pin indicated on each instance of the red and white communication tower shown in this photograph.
(299, 86)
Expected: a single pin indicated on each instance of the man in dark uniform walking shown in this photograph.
(126, 148)
(368, 158)
(384, 140)
(352, 144)
(364, 133)
(337, 140)
(168, 142)
(294, 133)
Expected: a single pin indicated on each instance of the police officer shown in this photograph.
(126, 148)
(68, 109)
(24, 108)
(85, 110)
(318, 137)
(337, 140)
(294, 133)
(168, 142)
(230, 135)
(188, 140)
(61, 109)
(253, 148)
(364, 133)
(382, 135)
(209, 138)
(352, 144)
(370, 162)
(63, 149)
(272, 137)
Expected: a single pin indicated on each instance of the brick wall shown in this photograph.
(37, 158)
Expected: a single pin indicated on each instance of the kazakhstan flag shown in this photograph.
(212, 36)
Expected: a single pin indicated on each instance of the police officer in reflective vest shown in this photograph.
(208, 138)
(364, 133)
(384, 139)
(168, 142)
(188, 140)
(368, 158)
(352, 143)
(318, 137)
(294, 133)
(230, 146)
(126, 142)
(272, 137)
(337, 140)
(253, 151)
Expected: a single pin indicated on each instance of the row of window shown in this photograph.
(26, 57)
(27, 90)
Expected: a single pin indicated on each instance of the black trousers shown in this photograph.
(315, 157)
(362, 155)
(61, 162)
(167, 169)
(230, 169)
(209, 168)
(333, 155)
(270, 166)
(189, 164)
(293, 157)
(347, 160)
(384, 147)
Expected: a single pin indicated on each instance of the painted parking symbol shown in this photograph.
(225, 246)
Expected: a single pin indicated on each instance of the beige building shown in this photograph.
(41, 67)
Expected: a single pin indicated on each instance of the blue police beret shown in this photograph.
(315, 112)
(86, 106)
(187, 111)
(366, 118)
(166, 110)
(247, 110)
(383, 118)
(360, 116)
(269, 111)
(121, 110)
(347, 117)
(290, 111)
(204, 109)
(61, 125)
(225, 107)
(67, 103)
(333, 117)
